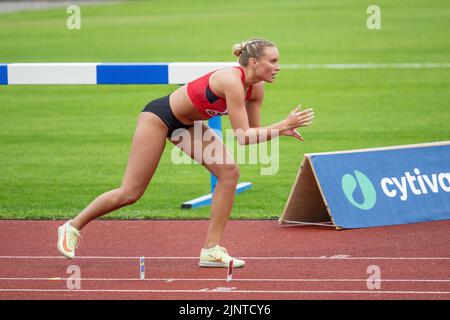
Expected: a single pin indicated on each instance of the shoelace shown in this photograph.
(73, 236)
(221, 248)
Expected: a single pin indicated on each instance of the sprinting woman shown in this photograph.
(236, 91)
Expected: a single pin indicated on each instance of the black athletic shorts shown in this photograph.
(161, 107)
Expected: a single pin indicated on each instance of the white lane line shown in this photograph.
(248, 258)
(426, 65)
(221, 279)
(232, 291)
(346, 258)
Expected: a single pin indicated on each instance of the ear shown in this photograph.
(252, 62)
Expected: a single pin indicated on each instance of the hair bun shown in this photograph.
(237, 49)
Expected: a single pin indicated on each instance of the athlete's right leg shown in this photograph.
(146, 150)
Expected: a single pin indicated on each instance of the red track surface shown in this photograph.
(282, 263)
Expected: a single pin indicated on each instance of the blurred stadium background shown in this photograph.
(61, 146)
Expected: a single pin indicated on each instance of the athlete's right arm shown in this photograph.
(234, 95)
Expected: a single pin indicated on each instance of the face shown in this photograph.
(267, 67)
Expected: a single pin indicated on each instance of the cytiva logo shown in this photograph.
(349, 184)
(403, 187)
(417, 184)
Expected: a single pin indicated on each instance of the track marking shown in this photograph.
(206, 290)
(221, 279)
(339, 257)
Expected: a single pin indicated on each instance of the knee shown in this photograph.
(127, 197)
(229, 173)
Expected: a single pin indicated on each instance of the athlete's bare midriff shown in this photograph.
(182, 107)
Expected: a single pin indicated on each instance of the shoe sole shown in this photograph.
(59, 245)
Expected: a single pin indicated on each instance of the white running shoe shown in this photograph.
(68, 238)
(217, 257)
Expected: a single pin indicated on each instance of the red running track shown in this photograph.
(413, 261)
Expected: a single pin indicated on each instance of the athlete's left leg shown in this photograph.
(224, 168)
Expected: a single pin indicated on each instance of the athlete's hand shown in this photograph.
(298, 118)
(292, 133)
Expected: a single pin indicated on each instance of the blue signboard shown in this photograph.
(385, 186)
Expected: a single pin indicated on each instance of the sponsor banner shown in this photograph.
(385, 186)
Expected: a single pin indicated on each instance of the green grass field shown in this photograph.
(61, 146)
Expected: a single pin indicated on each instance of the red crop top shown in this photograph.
(208, 103)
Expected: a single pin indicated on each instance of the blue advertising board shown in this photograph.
(387, 186)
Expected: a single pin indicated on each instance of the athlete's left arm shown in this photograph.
(253, 105)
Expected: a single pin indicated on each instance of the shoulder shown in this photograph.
(228, 78)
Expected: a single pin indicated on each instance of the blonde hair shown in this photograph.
(253, 48)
